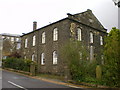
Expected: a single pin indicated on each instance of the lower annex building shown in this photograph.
(43, 45)
(10, 43)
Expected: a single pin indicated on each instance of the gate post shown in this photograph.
(98, 72)
(32, 69)
(66, 74)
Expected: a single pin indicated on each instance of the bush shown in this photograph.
(80, 67)
(17, 63)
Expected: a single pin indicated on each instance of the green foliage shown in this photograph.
(112, 58)
(75, 56)
(17, 63)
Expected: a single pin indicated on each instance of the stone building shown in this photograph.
(43, 45)
(11, 43)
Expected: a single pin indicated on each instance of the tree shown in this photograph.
(15, 55)
(7, 47)
(75, 56)
(112, 58)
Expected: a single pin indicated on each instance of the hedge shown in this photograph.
(17, 63)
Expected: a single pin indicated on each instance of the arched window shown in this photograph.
(91, 53)
(55, 34)
(24, 57)
(26, 43)
(33, 57)
(55, 58)
(91, 37)
(43, 37)
(79, 34)
(17, 39)
(101, 40)
(12, 39)
(18, 46)
(34, 39)
(42, 59)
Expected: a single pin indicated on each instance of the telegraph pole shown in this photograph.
(117, 3)
(1, 47)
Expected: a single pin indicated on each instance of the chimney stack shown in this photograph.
(70, 15)
(34, 25)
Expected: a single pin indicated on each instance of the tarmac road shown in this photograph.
(13, 80)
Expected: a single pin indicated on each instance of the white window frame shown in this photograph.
(3, 37)
(55, 34)
(34, 40)
(8, 37)
(55, 57)
(91, 53)
(18, 46)
(101, 40)
(33, 57)
(17, 39)
(91, 37)
(43, 37)
(26, 43)
(12, 39)
(42, 59)
(24, 57)
(79, 34)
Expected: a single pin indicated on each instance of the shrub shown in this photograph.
(17, 63)
(75, 56)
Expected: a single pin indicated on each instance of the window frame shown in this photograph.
(43, 37)
(17, 39)
(79, 34)
(91, 53)
(12, 39)
(91, 37)
(26, 42)
(25, 57)
(18, 46)
(42, 58)
(33, 57)
(34, 40)
(101, 40)
(8, 37)
(55, 57)
(55, 34)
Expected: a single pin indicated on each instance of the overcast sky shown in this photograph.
(17, 16)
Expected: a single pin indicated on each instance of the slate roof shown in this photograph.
(12, 35)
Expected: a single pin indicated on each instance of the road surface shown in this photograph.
(13, 80)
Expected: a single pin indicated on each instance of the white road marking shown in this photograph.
(17, 85)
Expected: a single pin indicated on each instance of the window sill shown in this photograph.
(55, 40)
(54, 64)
